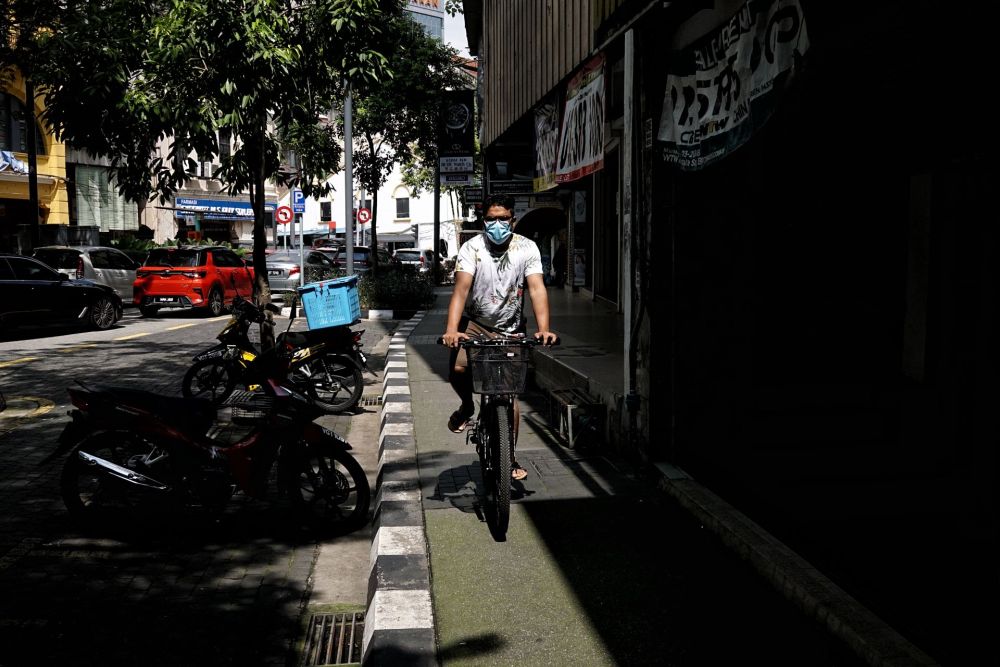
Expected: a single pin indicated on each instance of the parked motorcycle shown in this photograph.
(325, 364)
(133, 452)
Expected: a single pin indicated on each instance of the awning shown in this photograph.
(397, 238)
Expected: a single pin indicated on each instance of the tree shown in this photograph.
(395, 117)
(264, 71)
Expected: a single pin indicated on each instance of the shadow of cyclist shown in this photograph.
(463, 488)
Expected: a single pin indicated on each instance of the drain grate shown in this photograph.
(334, 639)
(371, 401)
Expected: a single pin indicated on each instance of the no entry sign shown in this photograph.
(283, 214)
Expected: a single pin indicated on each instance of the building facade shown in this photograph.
(53, 201)
(775, 197)
(429, 14)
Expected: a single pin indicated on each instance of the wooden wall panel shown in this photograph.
(530, 47)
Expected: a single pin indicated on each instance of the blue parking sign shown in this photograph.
(298, 201)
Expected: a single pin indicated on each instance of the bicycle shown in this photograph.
(499, 368)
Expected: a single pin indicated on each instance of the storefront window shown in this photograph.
(13, 126)
(98, 203)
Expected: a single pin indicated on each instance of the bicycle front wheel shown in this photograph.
(500, 451)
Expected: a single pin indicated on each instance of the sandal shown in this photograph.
(517, 473)
(458, 421)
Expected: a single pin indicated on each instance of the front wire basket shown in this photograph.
(248, 407)
(499, 369)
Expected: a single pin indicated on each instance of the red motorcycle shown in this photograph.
(133, 451)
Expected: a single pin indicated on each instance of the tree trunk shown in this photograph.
(262, 288)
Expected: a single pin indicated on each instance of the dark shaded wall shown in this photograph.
(830, 311)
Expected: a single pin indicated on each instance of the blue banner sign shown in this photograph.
(218, 209)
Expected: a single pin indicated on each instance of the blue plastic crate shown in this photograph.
(331, 303)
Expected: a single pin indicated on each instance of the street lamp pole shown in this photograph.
(348, 183)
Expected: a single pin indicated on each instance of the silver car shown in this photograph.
(283, 268)
(108, 266)
(422, 259)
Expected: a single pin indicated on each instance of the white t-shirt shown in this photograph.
(496, 299)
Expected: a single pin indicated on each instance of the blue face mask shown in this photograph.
(498, 232)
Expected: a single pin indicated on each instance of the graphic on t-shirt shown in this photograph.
(496, 299)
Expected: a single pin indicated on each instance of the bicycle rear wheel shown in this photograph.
(501, 442)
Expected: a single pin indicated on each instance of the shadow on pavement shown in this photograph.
(199, 593)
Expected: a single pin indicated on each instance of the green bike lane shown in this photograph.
(598, 568)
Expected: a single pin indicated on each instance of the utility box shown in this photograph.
(578, 418)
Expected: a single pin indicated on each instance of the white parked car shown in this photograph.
(108, 266)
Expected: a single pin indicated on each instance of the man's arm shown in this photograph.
(540, 304)
(463, 283)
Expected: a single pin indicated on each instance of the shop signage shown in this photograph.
(461, 164)
(473, 196)
(456, 179)
(456, 143)
(581, 141)
(217, 209)
(579, 266)
(722, 85)
(512, 187)
(546, 145)
(455, 130)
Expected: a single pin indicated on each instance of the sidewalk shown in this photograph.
(598, 568)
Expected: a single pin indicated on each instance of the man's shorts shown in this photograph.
(459, 358)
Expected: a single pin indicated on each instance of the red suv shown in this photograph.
(203, 277)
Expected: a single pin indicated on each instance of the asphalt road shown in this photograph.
(232, 594)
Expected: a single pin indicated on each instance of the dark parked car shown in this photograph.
(108, 266)
(362, 259)
(283, 268)
(33, 293)
(421, 259)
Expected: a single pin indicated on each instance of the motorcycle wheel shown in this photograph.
(209, 378)
(333, 381)
(328, 490)
(92, 496)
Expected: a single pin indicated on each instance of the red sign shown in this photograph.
(332, 225)
(364, 215)
(283, 214)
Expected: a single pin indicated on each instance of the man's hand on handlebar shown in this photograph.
(452, 338)
(546, 337)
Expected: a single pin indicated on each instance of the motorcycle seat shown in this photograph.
(193, 415)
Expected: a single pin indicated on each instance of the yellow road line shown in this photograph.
(25, 407)
(180, 326)
(73, 348)
(138, 335)
(15, 362)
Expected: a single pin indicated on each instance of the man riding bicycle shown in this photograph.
(493, 268)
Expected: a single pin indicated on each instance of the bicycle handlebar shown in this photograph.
(526, 341)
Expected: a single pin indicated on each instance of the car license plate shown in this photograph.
(274, 272)
(166, 299)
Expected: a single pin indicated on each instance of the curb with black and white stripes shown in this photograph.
(399, 624)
